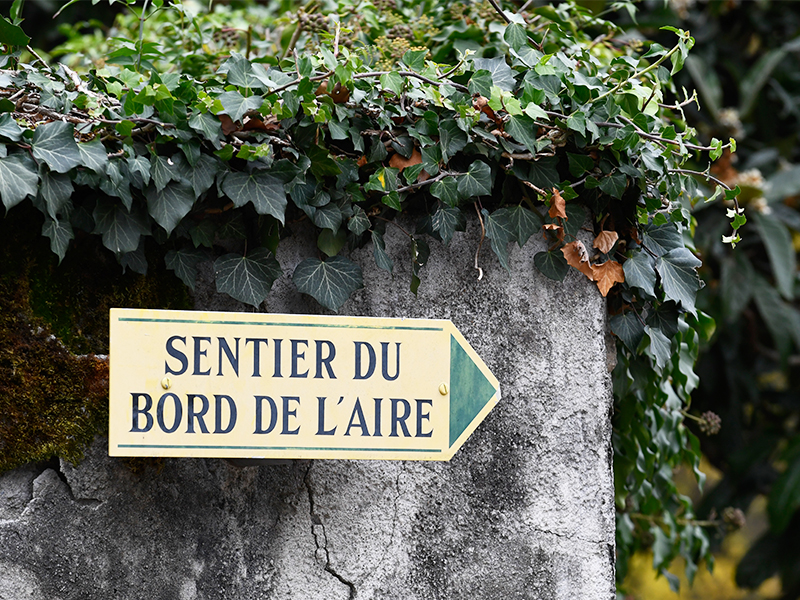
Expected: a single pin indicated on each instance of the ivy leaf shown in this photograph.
(331, 282)
(359, 222)
(451, 139)
(56, 190)
(9, 128)
(524, 223)
(208, 125)
(201, 176)
(330, 243)
(18, 179)
(523, 129)
(477, 181)
(640, 272)
(93, 156)
(552, 264)
(447, 220)
(515, 36)
(660, 240)
(614, 184)
(169, 205)
(240, 73)
(481, 83)
(736, 284)
(163, 170)
(382, 259)
(784, 498)
(120, 228)
(629, 328)
(12, 34)
(262, 189)
(235, 105)
(775, 313)
(579, 164)
(446, 190)
(328, 217)
(502, 75)
(415, 59)
(60, 234)
(660, 347)
(247, 279)
(679, 279)
(778, 242)
(54, 144)
(498, 229)
(543, 172)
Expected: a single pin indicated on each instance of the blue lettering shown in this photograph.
(321, 417)
(273, 414)
(362, 422)
(191, 415)
(148, 404)
(400, 419)
(296, 356)
(325, 361)
(256, 353)
(218, 414)
(385, 361)
(371, 367)
(289, 413)
(225, 349)
(175, 353)
(423, 416)
(198, 353)
(160, 413)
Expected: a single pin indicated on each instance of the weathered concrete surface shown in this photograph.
(523, 511)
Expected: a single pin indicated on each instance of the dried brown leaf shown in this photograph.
(577, 257)
(607, 274)
(605, 240)
(558, 206)
(400, 162)
(228, 125)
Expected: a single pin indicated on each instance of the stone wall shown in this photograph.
(524, 509)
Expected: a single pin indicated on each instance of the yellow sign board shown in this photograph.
(255, 385)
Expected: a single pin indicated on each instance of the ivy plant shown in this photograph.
(212, 132)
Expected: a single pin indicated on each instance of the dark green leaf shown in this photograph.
(262, 189)
(18, 179)
(201, 176)
(235, 105)
(614, 184)
(56, 190)
(477, 181)
(240, 72)
(659, 348)
(629, 328)
(208, 125)
(328, 217)
(552, 264)
(499, 231)
(94, 156)
(163, 170)
(170, 205)
(579, 164)
(249, 278)
(54, 144)
(60, 234)
(543, 172)
(736, 284)
(136, 261)
(382, 259)
(778, 242)
(502, 75)
(9, 129)
(524, 223)
(678, 271)
(331, 282)
(321, 162)
(415, 59)
(481, 83)
(640, 271)
(784, 498)
(775, 313)
(451, 139)
(660, 240)
(121, 229)
(447, 191)
(359, 222)
(447, 220)
(523, 129)
(12, 34)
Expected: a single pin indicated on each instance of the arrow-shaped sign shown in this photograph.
(292, 386)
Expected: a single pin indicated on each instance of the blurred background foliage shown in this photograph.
(746, 69)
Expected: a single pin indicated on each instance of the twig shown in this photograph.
(294, 38)
(430, 181)
(39, 58)
(480, 243)
(458, 86)
(538, 190)
(706, 176)
(638, 74)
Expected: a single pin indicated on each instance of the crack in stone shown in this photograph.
(55, 464)
(316, 522)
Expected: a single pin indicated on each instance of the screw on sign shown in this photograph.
(244, 385)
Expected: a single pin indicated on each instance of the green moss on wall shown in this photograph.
(53, 326)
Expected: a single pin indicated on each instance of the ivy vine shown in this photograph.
(215, 130)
